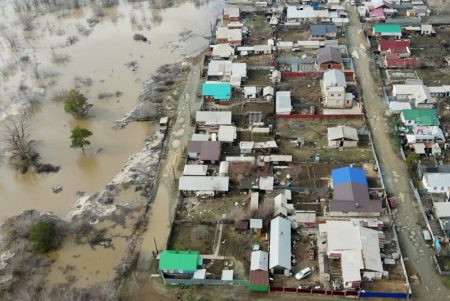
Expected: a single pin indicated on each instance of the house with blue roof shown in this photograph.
(351, 194)
(216, 91)
(348, 174)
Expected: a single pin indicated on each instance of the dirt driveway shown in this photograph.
(394, 172)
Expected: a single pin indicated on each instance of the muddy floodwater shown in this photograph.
(96, 64)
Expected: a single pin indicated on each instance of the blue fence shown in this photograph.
(385, 295)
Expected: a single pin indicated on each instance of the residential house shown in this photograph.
(427, 29)
(227, 133)
(275, 76)
(179, 262)
(222, 51)
(436, 179)
(216, 91)
(423, 129)
(231, 13)
(442, 212)
(356, 247)
(388, 30)
(204, 150)
(203, 185)
(259, 271)
(212, 119)
(399, 47)
(395, 61)
(333, 89)
(329, 58)
(351, 196)
(306, 13)
(224, 35)
(377, 14)
(283, 103)
(268, 93)
(418, 94)
(419, 117)
(281, 206)
(250, 92)
(226, 71)
(280, 246)
(342, 136)
(322, 31)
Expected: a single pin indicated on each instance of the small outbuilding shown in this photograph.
(342, 136)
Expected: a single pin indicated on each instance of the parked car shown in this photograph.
(306, 272)
(426, 235)
(392, 202)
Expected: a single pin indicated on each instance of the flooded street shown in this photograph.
(97, 65)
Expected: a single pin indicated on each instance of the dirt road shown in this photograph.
(394, 172)
(162, 209)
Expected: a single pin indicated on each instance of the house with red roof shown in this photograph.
(398, 47)
(394, 61)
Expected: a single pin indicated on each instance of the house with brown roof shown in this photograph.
(351, 194)
(329, 58)
(204, 151)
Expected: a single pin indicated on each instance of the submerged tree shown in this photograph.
(18, 141)
(76, 104)
(79, 137)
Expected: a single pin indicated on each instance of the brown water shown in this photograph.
(101, 56)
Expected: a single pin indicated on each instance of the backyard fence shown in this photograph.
(176, 281)
(340, 293)
(313, 291)
(321, 116)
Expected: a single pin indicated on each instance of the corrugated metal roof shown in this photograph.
(322, 29)
(213, 117)
(342, 132)
(259, 261)
(329, 54)
(203, 183)
(178, 260)
(280, 243)
(220, 91)
(348, 174)
(195, 170)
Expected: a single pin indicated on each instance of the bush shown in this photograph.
(43, 235)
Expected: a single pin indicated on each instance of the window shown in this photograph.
(332, 95)
(339, 95)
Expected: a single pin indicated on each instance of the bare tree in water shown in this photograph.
(17, 138)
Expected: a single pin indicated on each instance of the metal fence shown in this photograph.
(321, 116)
(176, 281)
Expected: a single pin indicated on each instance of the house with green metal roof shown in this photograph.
(420, 117)
(179, 262)
(388, 30)
(216, 91)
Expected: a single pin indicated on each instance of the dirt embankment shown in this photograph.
(158, 95)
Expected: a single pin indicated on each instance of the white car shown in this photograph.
(303, 274)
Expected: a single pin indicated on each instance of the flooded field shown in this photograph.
(96, 63)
